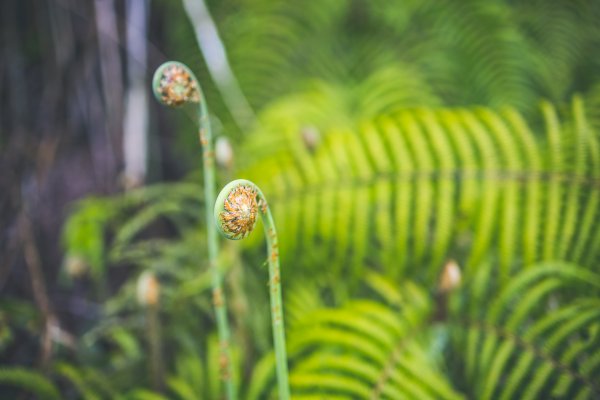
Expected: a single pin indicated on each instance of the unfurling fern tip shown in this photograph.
(236, 209)
(174, 84)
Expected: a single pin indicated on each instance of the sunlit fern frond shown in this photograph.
(367, 350)
(535, 338)
(420, 185)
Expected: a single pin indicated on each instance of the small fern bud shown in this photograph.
(450, 278)
(75, 266)
(236, 208)
(148, 289)
(174, 84)
(310, 137)
(223, 152)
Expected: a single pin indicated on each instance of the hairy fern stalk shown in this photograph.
(501, 341)
(174, 84)
(236, 209)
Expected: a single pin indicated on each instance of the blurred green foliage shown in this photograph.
(391, 137)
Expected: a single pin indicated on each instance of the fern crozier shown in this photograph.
(236, 214)
(174, 85)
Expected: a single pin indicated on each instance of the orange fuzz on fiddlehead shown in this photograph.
(235, 214)
(174, 85)
(236, 210)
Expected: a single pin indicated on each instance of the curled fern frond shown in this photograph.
(174, 84)
(235, 214)
(237, 217)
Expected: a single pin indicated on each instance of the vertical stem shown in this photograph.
(206, 141)
(174, 84)
(154, 342)
(276, 302)
(235, 213)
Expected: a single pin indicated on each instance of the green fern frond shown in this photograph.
(535, 337)
(76, 378)
(423, 185)
(495, 54)
(143, 394)
(368, 350)
(28, 380)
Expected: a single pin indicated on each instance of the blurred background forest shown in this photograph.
(433, 167)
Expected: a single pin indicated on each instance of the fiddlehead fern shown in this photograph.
(236, 209)
(174, 84)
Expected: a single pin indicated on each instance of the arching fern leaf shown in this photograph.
(421, 185)
(29, 381)
(537, 337)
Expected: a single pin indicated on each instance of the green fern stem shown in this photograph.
(154, 342)
(236, 209)
(174, 84)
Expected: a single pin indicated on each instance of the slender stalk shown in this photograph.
(174, 84)
(235, 213)
(148, 294)
(153, 325)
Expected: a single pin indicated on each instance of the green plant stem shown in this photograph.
(235, 216)
(208, 155)
(206, 142)
(276, 301)
(154, 342)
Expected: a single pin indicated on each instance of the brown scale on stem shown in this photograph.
(263, 208)
(224, 366)
(224, 363)
(203, 138)
(275, 280)
(235, 213)
(274, 255)
(217, 297)
(208, 157)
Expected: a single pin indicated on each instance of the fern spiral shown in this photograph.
(236, 210)
(174, 84)
(238, 217)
